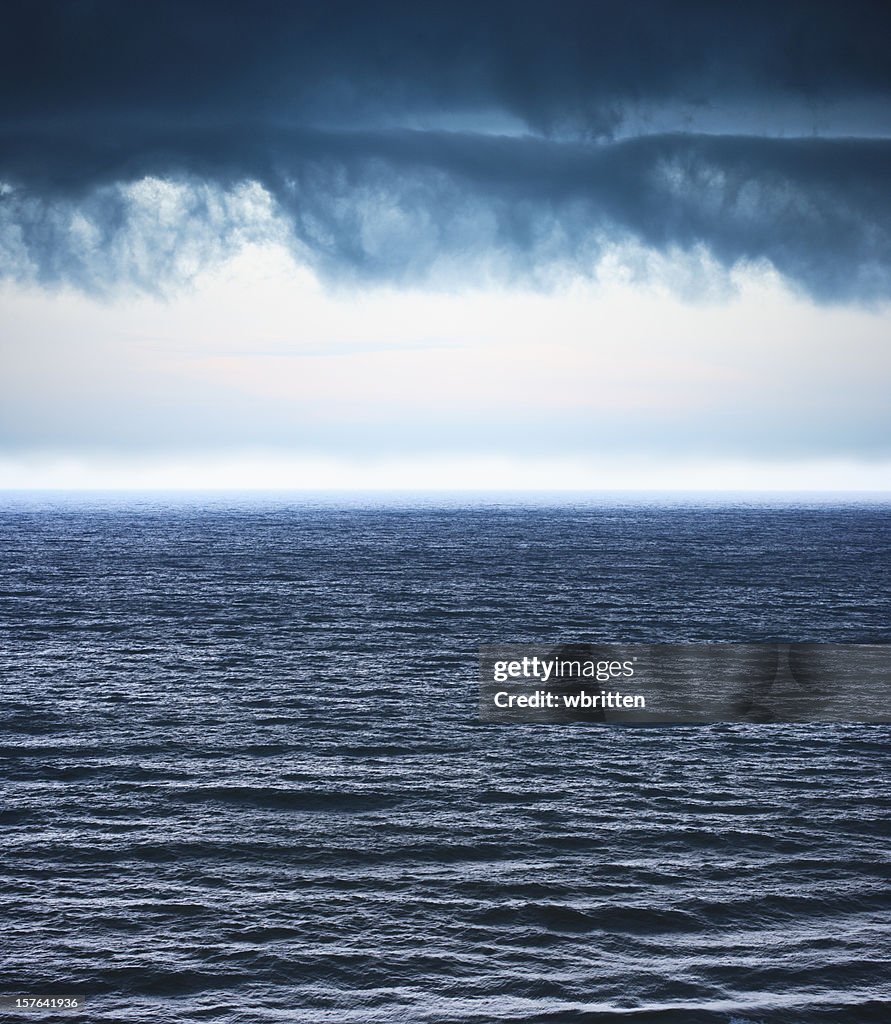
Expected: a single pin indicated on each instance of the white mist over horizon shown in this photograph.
(260, 472)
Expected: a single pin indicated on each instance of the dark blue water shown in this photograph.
(243, 778)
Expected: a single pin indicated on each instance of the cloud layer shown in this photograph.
(397, 141)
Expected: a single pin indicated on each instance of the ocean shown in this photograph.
(244, 778)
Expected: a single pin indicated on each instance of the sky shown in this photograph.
(500, 244)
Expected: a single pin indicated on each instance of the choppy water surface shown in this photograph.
(244, 780)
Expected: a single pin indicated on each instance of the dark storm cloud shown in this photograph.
(550, 64)
(673, 126)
